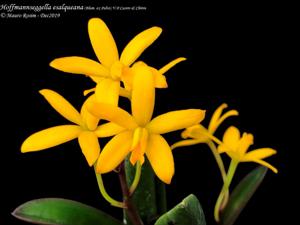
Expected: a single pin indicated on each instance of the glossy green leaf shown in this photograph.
(242, 194)
(57, 211)
(144, 197)
(189, 211)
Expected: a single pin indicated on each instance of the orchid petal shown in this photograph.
(216, 116)
(258, 154)
(160, 156)
(171, 64)
(244, 143)
(107, 91)
(231, 138)
(80, 65)
(159, 79)
(108, 129)
(112, 114)
(268, 165)
(187, 142)
(197, 131)
(89, 145)
(114, 152)
(217, 119)
(138, 45)
(143, 94)
(103, 42)
(62, 106)
(90, 120)
(175, 120)
(50, 137)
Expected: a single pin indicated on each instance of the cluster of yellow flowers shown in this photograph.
(134, 133)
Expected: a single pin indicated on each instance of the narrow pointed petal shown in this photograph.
(215, 117)
(159, 79)
(268, 165)
(89, 145)
(222, 118)
(171, 64)
(103, 42)
(175, 120)
(112, 114)
(138, 45)
(143, 94)
(108, 129)
(114, 152)
(259, 154)
(80, 65)
(231, 138)
(107, 91)
(62, 106)
(188, 142)
(160, 156)
(89, 119)
(50, 137)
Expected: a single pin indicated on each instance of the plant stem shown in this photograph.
(130, 208)
(230, 174)
(218, 159)
(222, 170)
(137, 177)
(104, 193)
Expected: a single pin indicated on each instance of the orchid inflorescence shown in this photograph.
(136, 134)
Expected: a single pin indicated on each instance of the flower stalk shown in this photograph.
(137, 176)
(220, 164)
(105, 195)
(130, 207)
(225, 189)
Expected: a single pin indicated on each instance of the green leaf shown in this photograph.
(189, 211)
(144, 197)
(57, 211)
(242, 194)
(161, 196)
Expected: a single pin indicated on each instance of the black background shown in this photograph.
(238, 54)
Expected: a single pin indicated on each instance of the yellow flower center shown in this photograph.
(116, 70)
(139, 144)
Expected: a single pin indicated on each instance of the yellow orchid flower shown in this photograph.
(86, 129)
(236, 147)
(112, 69)
(142, 135)
(199, 134)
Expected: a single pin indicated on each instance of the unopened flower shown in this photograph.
(199, 134)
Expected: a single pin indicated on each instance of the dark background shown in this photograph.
(238, 54)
